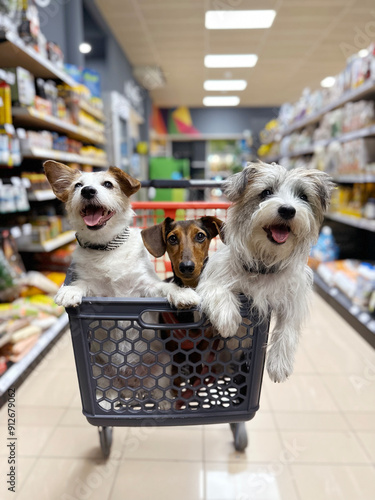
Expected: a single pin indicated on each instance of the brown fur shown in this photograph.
(157, 240)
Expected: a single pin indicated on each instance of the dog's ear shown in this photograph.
(128, 184)
(235, 185)
(154, 238)
(213, 226)
(60, 177)
(323, 185)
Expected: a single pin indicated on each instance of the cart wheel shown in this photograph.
(105, 438)
(239, 435)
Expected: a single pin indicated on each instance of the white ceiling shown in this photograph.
(304, 44)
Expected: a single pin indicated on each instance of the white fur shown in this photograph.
(126, 271)
(287, 291)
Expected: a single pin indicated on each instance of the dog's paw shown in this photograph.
(227, 321)
(183, 298)
(278, 366)
(69, 296)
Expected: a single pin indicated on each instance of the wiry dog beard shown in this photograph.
(250, 216)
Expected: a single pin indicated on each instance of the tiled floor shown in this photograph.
(313, 438)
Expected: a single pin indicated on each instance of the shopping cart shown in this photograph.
(162, 373)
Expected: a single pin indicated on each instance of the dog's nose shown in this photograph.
(88, 192)
(187, 267)
(287, 212)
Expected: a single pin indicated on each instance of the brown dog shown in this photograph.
(186, 242)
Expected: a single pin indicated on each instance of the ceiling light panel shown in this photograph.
(230, 60)
(239, 19)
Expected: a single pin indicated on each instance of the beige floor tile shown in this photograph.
(264, 446)
(30, 439)
(352, 393)
(302, 364)
(31, 415)
(244, 481)
(55, 390)
(263, 420)
(156, 443)
(74, 417)
(304, 421)
(368, 441)
(300, 393)
(159, 480)
(67, 478)
(80, 442)
(331, 482)
(324, 447)
(361, 421)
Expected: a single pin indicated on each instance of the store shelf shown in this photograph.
(365, 90)
(51, 154)
(18, 370)
(41, 195)
(24, 244)
(354, 179)
(362, 321)
(96, 113)
(349, 136)
(13, 52)
(361, 223)
(196, 137)
(31, 117)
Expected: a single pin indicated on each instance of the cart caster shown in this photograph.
(105, 438)
(239, 435)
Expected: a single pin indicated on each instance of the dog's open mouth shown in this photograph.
(96, 216)
(278, 233)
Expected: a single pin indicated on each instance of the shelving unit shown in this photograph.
(365, 90)
(360, 320)
(17, 371)
(30, 117)
(50, 154)
(14, 52)
(368, 225)
(96, 113)
(349, 136)
(25, 245)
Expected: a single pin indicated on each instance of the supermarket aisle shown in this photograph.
(314, 437)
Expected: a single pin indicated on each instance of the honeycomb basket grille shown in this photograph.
(140, 359)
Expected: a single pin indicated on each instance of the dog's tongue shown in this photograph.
(93, 216)
(279, 233)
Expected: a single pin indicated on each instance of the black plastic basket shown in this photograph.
(139, 360)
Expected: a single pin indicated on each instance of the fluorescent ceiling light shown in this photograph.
(85, 48)
(224, 85)
(224, 100)
(327, 82)
(230, 60)
(363, 53)
(239, 19)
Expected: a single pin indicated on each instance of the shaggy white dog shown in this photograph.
(274, 220)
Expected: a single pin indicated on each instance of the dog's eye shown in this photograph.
(108, 184)
(303, 197)
(78, 185)
(200, 237)
(173, 239)
(264, 194)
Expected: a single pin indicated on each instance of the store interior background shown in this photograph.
(154, 126)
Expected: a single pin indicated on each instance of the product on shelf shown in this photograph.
(352, 199)
(13, 196)
(325, 249)
(23, 89)
(353, 278)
